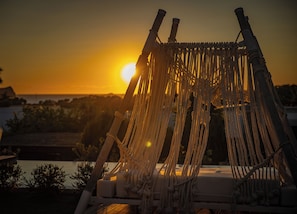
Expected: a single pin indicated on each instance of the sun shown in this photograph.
(128, 71)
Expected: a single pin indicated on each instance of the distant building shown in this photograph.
(7, 93)
(291, 115)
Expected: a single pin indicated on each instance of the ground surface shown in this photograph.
(24, 201)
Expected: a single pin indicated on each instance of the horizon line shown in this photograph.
(18, 94)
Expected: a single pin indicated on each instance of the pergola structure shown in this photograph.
(174, 78)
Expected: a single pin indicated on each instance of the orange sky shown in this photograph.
(79, 47)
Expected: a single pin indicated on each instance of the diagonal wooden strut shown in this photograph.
(261, 74)
(102, 157)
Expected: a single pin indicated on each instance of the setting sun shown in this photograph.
(128, 71)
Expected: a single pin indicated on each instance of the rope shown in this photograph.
(258, 166)
(190, 78)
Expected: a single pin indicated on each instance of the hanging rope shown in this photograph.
(193, 77)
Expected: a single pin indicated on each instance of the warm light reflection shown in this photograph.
(148, 144)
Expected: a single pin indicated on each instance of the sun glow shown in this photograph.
(128, 71)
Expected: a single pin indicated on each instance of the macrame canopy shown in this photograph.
(174, 79)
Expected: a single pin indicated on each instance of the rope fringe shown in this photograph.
(183, 77)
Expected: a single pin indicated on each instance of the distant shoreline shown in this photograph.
(74, 94)
(36, 98)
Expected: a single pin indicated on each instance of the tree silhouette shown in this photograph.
(287, 94)
(0, 76)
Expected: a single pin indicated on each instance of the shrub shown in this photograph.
(85, 153)
(83, 174)
(96, 129)
(10, 176)
(47, 177)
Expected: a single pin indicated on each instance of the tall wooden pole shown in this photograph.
(174, 26)
(261, 75)
(141, 66)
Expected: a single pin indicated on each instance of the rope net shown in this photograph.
(197, 76)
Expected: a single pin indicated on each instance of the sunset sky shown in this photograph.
(80, 47)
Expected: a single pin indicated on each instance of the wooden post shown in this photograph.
(261, 75)
(174, 26)
(141, 66)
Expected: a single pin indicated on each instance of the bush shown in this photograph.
(96, 129)
(10, 176)
(83, 174)
(47, 177)
(85, 153)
